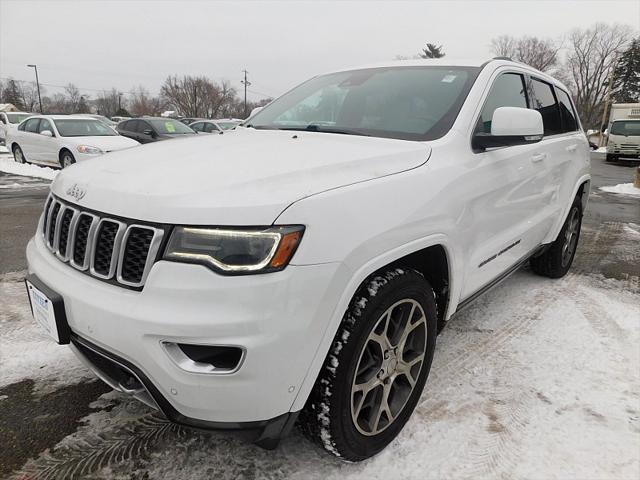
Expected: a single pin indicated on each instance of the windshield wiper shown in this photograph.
(312, 127)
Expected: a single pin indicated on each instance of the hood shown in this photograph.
(247, 178)
(103, 142)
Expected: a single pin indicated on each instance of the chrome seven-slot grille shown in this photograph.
(110, 249)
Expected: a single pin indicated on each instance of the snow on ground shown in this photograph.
(4, 149)
(601, 150)
(623, 188)
(539, 378)
(8, 165)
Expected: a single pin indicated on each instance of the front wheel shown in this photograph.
(612, 158)
(557, 259)
(66, 159)
(376, 368)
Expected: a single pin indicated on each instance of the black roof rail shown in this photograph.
(502, 58)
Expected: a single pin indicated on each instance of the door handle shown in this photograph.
(572, 148)
(537, 157)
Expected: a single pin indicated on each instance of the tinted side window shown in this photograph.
(198, 127)
(507, 91)
(567, 114)
(2, 119)
(132, 125)
(32, 125)
(211, 127)
(544, 101)
(142, 126)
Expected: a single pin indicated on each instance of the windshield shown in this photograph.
(18, 117)
(411, 103)
(627, 128)
(227, 125)
(169, 127)
(83, 128)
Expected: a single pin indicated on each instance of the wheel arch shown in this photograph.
(62, 150)
(582, 187)
(432, 256)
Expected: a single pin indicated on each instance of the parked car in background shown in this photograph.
(153, 129)
(189, 120)
(9, 121)
(300, 269)
(206, 126)
(102, 118)
(228, 123)
(62, 140)
(119, 119)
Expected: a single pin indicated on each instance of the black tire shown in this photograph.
(66, 159)
(556, 260)
(18, 155)
(327, 417)
(612, 158)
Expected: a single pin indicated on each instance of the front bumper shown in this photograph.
(278, 318)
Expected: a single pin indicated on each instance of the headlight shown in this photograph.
(89, 149)
(234, 251)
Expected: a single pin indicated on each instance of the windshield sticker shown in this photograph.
(170, 127)
(448, 78)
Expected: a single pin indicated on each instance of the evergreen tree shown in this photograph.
(432, 51)
(626, 79)
(12, 94)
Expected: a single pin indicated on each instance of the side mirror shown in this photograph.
(220, 132)
(511, 126)
(148, 132)
(47, 133)
(254, 111)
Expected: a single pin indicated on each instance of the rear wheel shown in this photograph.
(18, 155)
(66, 159)
(557, 260)
(376, 369)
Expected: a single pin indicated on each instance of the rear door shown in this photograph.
(556, 154)
(143, 128)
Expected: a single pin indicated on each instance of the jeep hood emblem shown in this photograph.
(76, 191)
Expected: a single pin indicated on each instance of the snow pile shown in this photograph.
(623, 188)
(3, 149)
(10, 166)
(601, 150)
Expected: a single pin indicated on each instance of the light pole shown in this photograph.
(38, 84)
(246, 83)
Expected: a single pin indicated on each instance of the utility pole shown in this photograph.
(38, 85)
(607, 99)
(119, 102)
(246, 83)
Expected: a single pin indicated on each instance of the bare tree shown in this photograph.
(109, 102)
(539, 53)
(592, 54)
(29, 95)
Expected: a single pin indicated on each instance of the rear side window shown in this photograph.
(198, 127)
(567, 114)
(544, 101)
(210, 127)
(132, 125)
(507, 91)
(32, 125)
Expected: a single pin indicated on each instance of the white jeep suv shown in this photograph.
(300, 269)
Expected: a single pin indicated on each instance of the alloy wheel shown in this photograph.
(570, 236)
(388, 367)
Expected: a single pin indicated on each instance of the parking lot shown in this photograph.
(539, 378)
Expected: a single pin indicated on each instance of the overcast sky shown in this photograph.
(100, 44)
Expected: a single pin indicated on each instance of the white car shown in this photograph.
(206, 126)
(301, 268)
(9, 122)
(62, 140)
